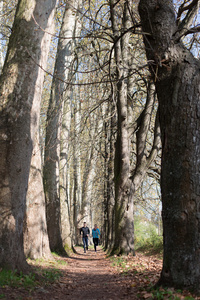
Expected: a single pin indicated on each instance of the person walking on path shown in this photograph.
(95, 235)
(85, 231)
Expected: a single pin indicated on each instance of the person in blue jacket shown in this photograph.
(95, 235)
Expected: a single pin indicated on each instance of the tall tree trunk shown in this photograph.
(124, 226)
(87, 187)
(177, 76)
(69, 230)
(106, 227)
(127, 181)
(77, 193)
(36, 241)
(64, 170)
(1, 50)
(20, 89)
(87, 212)
(62, 71)
(109, 201)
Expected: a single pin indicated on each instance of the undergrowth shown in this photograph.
(162, 294)
(44, 272)
(147, 239)
(14, 279)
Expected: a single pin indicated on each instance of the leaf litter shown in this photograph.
(93, 276)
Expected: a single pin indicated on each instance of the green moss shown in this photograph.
(68, 249)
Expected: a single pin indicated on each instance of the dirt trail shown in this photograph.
(92, 276)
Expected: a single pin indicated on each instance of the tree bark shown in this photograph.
(127, 181)
(77, 182)
(88, 213)
(66, 230)
(111, 188)
(20, 93)
(36, 241)
(108, 224)
(1, 48)
(62, 73)
(124, 226)
(89, 175)
(177, 76)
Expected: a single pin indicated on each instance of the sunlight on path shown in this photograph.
(93, 276)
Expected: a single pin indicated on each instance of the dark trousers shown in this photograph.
(85, 243)
(96, 242)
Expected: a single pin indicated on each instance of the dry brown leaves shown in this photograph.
(96, 277)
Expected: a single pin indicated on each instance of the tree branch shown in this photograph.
(190, 31)
(185, 24)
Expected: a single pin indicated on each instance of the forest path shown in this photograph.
(93, 276)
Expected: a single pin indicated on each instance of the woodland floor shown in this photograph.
(93, 276)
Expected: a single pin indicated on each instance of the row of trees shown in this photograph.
(99, 97)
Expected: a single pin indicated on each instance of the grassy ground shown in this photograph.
(76, 277)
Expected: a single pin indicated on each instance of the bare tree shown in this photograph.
(62, 73)
(128, 180)
(20, 89)
(176, 74)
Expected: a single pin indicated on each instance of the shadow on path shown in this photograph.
(90, 276)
